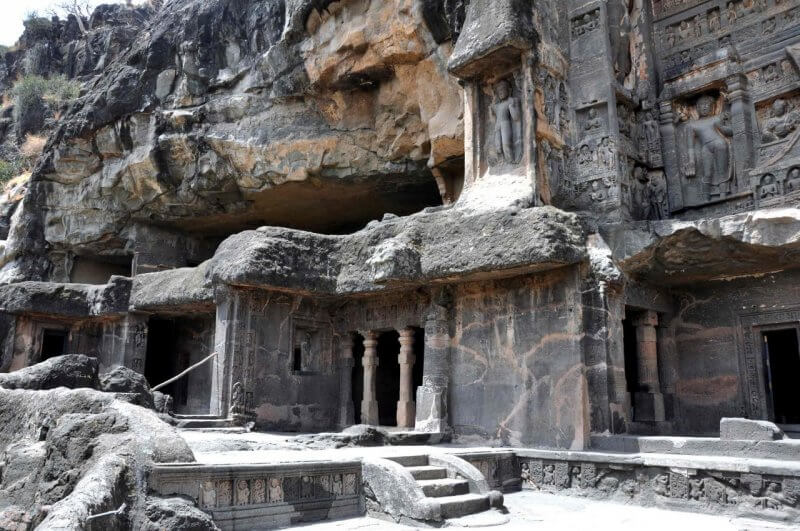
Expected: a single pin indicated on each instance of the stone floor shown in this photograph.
(539, 511)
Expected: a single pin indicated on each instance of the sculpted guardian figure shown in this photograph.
(508, 124)
(708, 150)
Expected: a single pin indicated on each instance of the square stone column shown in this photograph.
(406, 407)
(432, 395)
(369, 402)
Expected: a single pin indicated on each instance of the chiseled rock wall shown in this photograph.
(517, 361)
(716, 345)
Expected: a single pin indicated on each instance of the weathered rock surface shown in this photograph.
(68, 454)
(172, 289)
(426, 247)
(684, 252)
(174, 513)
(129, 382)
(223, 117)
(71, 300)
(72, 371)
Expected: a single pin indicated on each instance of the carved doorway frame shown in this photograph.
(751, 363)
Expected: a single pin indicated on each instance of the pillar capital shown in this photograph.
(647, 318)
(370, 338)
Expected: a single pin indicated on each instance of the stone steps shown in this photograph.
(439, 488)
(427, 472)
(464, 504)
(450, 490)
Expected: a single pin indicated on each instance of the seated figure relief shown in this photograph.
(782, 122)
(508, 124)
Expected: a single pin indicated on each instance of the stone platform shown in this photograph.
(663, 474)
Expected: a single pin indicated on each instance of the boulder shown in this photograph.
(174, 513)
(73, 371)
(129, 382)
(162, 402)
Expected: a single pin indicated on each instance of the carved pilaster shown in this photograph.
(345, 363)
(432, 394)
(669, 143)
(743, 124)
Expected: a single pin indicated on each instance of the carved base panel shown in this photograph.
(500, 469)
(268, 496)
(743, 494)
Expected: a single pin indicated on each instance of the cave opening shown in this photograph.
(782, 359)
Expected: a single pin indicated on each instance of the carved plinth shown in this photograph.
(648, 407)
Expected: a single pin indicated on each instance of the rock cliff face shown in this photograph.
(229, 114)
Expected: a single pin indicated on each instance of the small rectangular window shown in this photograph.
(297, 359)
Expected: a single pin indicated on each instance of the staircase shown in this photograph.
(429, 489)
(453, 494)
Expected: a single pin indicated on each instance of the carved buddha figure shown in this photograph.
(793, 180)
(508, 124)
(781, 123)
(597, 193)
(707, 148)
(592, 120)
(769, 187)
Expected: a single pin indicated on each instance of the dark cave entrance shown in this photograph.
(782, 361)
(160, 363)
(173, 345)
(387, 384)
(631, 351)
(54, 343)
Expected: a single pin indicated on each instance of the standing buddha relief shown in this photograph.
(507, 124)
(706, 156)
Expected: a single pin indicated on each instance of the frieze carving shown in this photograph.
(685, 38)
(276, 490)
(694, 489)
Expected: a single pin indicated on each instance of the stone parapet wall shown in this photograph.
(239, 497)
(753, 488)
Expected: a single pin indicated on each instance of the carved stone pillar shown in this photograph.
(670, 149)
(369, 402)
(648, 401)
(432, 394)
(406, 407)
(744, 127)
(346, 413)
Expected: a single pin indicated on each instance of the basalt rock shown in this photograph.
(227, 116)
(72, 371)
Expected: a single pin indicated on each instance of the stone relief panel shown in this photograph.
(698, 30)
(585, 23)
(270, 489)
(705, 156)
(767, 496)
(506, 132)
